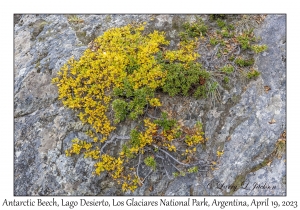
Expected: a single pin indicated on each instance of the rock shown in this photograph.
(239, 124)
(180, 186)
(17, 18)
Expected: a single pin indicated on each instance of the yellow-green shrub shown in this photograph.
(122, 55)
(121, 72)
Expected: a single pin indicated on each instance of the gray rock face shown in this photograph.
(246, 124)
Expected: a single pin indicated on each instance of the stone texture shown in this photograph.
(239, 125)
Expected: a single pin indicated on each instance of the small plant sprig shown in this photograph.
(221, 23)
(150, 161)
(192, 30)
(75, 19)
(253, 74)
(244, 62)
(259, 48)
(228, 69)
(246, 39)
(164, 122)
(213, 41)
(120, 108)
(217, 16)
(226, 80)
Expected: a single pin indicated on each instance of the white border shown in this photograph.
(153, 6)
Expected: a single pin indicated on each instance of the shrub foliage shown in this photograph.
(121, 73)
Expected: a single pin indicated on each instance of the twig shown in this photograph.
(112, 139)
(171, 156)
(148, 175)
(216, 50)
(203, 45)
(137, 168)
(175, 167)
(146, 108)
(206, 62)
(159, 156)
(178, 160)
(167, 174)
(149, 115)
(229, 53)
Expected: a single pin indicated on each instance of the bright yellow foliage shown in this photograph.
(197, 136)
(86, 84)
(154, 102)
(109, 163)
(144, 138)
(120, 54)
(95, 154)
(77, 146)
(220, 153)
(125, 60)
(130, 184)
(185, 54)
(194, 140)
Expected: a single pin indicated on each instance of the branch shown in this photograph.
(159, 156)
(171, 156)
(167, 173)
(188, 165)
(112, 139)
(147, 175)
(215, 50)
(175, 167)
(137, 168)
(149, 115)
